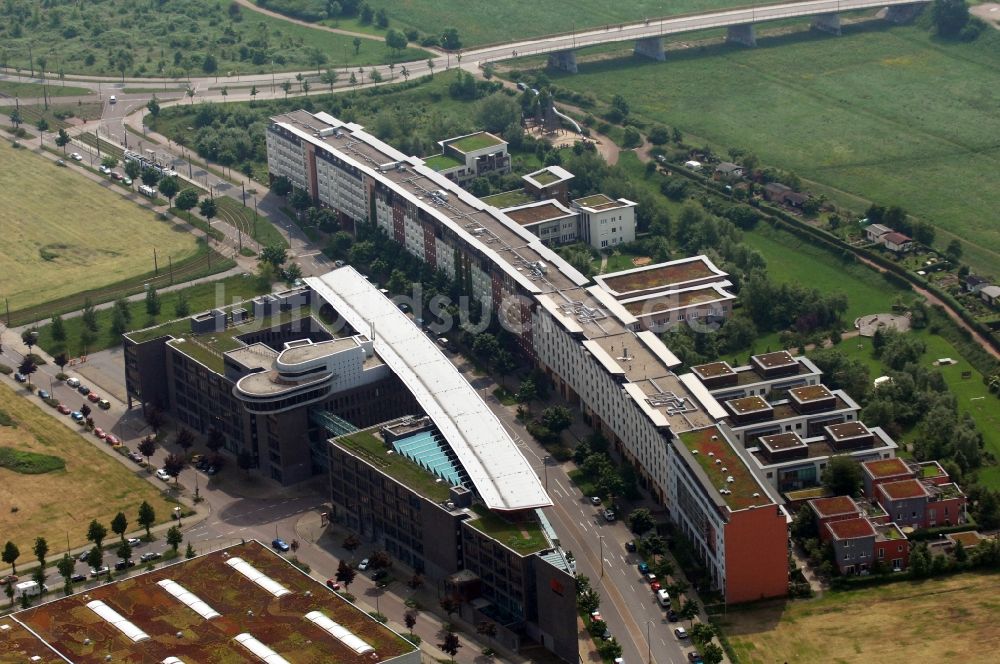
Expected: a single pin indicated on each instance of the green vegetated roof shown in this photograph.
(371, 448)
(442, 162)
(707, 451)
(508, 199)
(545, 177)
(475, 142)
(523, 534)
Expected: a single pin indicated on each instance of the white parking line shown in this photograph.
(562, 487)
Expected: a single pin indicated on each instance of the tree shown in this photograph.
(275, 254)
(487, 628)
(119, 525)
(147, 517)
(147, 448)
(345, 573)
(528, 392)
(85, 410)
(62, 139)
(640, 520)
(58, 329)
(42, 126)
(153, 106)
(154, 418)
(108, 161)
(430, 66)
(30, 338)
(949, 16)
(589, 600)
(497, 112)
(253, 94)
(410, 620)
(189, 553)
(174, 537)
(396, 41)
(174, 464)
(375, 76)
(449, 605)
(286, 86)
(711, 653)
(330, 78)
(954, 250)
(842, 476)
(16, 118)
(150, 176)
(380, 560)
(450, 645)
(10, 555)
(66, 566)
(169, 187)
(208, 208)
(215, 440)
(124, 550)
(351, 543)
(153, 303)
(96, 533)
(133, 169)
(27, 367)
(556, 418)
(357, 45)
(450, 39)
(182, 307)
(689, 611)
(610, 649)
(95, 557)
(187, 199)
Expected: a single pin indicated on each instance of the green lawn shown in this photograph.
(201, 297)
(885, 114)
(174, 39)
(970, 393)
(55, 89)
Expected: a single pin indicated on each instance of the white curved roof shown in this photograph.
(258, 577)
(126, 626)
(339, 632)
(191, 600)
(502, 476)
(259, 649)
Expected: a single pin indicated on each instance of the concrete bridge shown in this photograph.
(648, 35)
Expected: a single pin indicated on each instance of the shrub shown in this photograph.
(29, 463)
(6, 370)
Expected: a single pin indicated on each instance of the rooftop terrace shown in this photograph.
(598, 202)
(834, 506)
(534, 214)
(80, 635)
(903, 489)
(522, 534)
(368, 445)
(474, 142)
(508, 199)
(663, 276)
(442, 162)
(655, 304)
(721, 463)
(886, 467)
(851, 528)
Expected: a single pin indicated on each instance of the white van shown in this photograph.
(663, 598)
(147, 190)
(112, 99)
(29, 588)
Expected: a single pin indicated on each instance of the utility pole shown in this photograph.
(170, 266)
(156, 268)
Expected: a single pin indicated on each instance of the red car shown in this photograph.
(62, 408)
(99, 432)
(332, 584)
(117, 176)
(112, 440)
(94, 397)
(655, 585)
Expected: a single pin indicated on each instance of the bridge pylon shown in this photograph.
(650, 47)
(741, 34)
(564, 60)
(827, 23)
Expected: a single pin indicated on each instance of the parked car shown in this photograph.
(104, 404)
(83, 556)
(680, 633)
(663, 598)
(379, 574)
(20, 377)
(52, 403)
(61, 162)
(695, 657)
(73, 382)
(672, 615)
(643, 568)
(606, 636)
(43, 394)
(76, 156)
(280, 544)
(104, 169)
(595, 615)
(76, 578)
(113, 440)
(148, 556)
(339, 263)
(124, 564)
(115, 175)
(630, 546)
(63, 409)
(77, 416)
(84, 390)
(609, 515)
(595, 500)
(99, 432)
(163, 474)
(363, 565)
(93, 397)
(135, 456)
(94, 573)
(134, 541)
(10, 578)
(127, 181)
(332, 584)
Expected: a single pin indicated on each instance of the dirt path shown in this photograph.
(989, 12)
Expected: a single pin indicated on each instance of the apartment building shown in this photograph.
(464, 158)
(605, 222)
(807, 411)
(766, 373)
(919, 495)
(596, 353)
(861, 534)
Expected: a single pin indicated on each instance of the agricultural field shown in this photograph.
(72, 234)
(488, 22)
(938, 620)
(41, 499)
(891, 115)
(173, 40)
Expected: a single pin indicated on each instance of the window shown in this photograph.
(881, 553)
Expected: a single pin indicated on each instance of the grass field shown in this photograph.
(951, 619)
(55, 89)
(970, 393)
(67, 234)
(493, 21)
(59, 504)
(890, 115)
(201, 297)
(174, 39)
